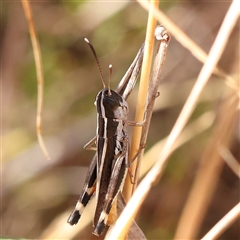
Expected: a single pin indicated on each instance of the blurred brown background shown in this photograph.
(36, 191)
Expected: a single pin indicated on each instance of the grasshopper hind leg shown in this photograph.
(88, 191)
(118, 175)
(76, 214)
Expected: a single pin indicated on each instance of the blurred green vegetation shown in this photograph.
(36, 191)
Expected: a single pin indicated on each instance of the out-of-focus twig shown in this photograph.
(39, 69)
(223, 224)
(192, 130)
(208, 173)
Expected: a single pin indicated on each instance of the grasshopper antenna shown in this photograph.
(96, 58)
(110, 78)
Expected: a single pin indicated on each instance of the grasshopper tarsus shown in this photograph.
(131, 176)
(99, 229)
(74, 218)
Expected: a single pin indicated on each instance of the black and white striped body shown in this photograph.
(112, 158)
(107, 174)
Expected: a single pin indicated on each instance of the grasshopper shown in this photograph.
(108, 168)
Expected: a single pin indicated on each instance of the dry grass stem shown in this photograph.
(163, 37)
(134, 231)
(142, 97)
(224, 223)
(213, 57)
(208, 173)
(195, 128)
(140, 108)
(39, 69)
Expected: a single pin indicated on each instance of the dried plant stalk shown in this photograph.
(224, 223)
(142, 98)
(196, 127)
(163, 36)
(39, 69)
(207, 177)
